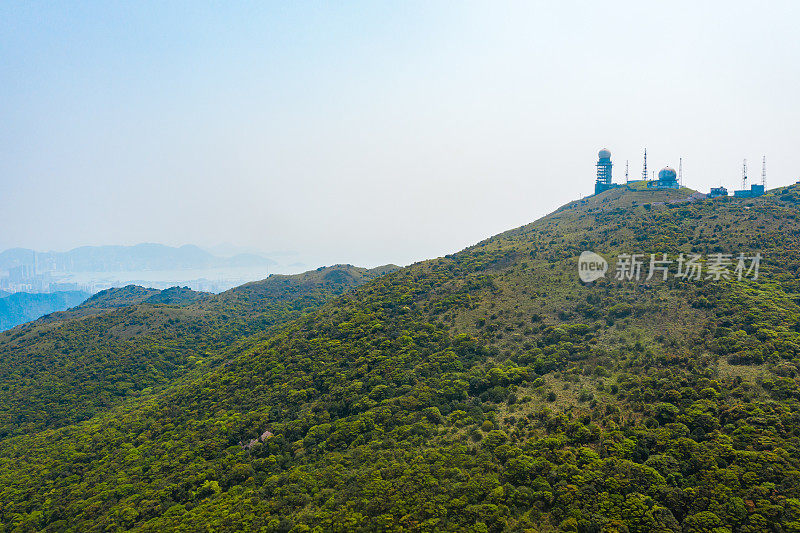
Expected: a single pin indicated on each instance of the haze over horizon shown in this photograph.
(372, 134)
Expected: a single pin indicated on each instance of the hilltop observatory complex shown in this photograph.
(668, 178)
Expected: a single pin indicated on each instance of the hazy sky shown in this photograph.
(372, 132)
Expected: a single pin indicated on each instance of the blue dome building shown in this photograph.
(667, 179)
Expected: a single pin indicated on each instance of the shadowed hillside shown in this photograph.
(126, 342)
(103, 301)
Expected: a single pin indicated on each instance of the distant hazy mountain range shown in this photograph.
(126, 258)
(22, 307)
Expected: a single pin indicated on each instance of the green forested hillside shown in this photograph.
(489, 390)
(132, 341)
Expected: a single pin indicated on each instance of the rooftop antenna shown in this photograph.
(626, 172)
(680, 171)
(744, 174)
(644, 169)
(764, 172)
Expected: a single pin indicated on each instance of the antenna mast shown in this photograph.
(764, 172)
(644, 169)
(744, 174)
(680, 171)
(626, 171)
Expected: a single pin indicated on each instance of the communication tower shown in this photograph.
(644, 169)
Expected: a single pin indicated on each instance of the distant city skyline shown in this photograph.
(372, 133)
(148, 264)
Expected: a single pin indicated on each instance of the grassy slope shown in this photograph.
(487, 390)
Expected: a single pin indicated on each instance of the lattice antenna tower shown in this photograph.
(744, 174)
(644, 169)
